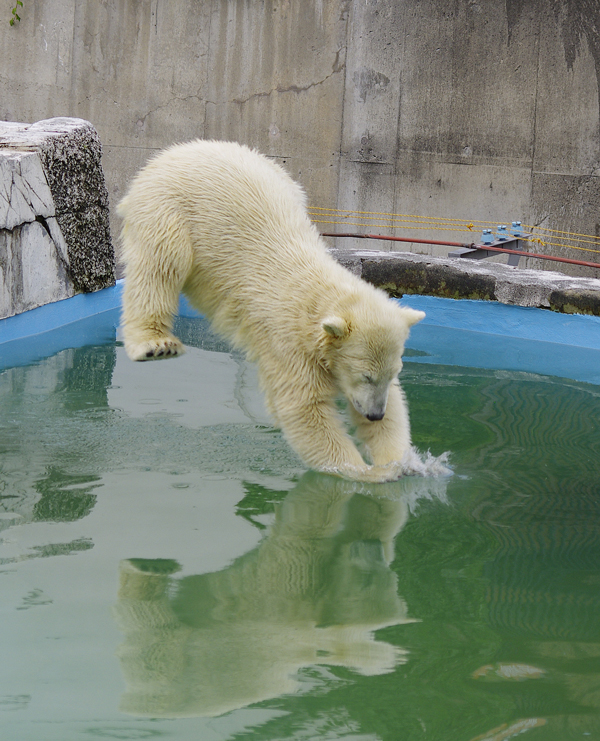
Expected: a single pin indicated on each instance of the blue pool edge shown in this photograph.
(464, 332)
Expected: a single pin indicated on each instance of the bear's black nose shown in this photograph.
(375, 417)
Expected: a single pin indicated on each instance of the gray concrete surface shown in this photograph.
(473, 109)
(401, 273)
(54, 224)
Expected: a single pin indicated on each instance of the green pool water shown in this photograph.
(170, 570)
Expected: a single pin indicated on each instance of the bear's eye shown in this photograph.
(368, 379)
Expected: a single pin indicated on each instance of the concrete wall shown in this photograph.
(475, 109)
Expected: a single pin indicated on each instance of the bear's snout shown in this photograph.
(373, 410)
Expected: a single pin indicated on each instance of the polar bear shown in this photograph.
(228, 227)
(313, 592)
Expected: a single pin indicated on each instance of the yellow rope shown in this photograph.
(419, 219)
(385, 226)
(365, 219)
(568, 246)
(432, 219)
(583, 241)
(594, 238)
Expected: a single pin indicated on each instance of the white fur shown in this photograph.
(228, 227)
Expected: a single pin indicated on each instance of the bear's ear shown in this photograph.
(335, 326)
(412, 316)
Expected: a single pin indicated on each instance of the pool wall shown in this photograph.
(471, 333)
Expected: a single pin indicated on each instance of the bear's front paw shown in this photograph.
(160, 349)
(381, 474)
(370, 474)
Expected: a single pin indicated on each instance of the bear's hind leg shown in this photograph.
(154, 277)
(154, 346)
(147, 327)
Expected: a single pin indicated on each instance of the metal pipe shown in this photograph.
(398, 239)
(472, 246)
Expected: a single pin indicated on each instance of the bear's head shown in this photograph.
(364, 353)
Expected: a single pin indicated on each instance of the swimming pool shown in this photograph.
(168, 568)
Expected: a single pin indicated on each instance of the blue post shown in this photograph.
(501, 233)
(487, 237)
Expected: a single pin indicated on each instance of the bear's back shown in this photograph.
(224, 184)
(256, 259)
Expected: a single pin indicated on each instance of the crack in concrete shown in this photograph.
(166, 105)
(20, 199)
(336, 69)
(61, 257)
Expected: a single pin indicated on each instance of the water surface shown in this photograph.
(169, 569)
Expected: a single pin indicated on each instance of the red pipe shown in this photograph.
(398, 239)
(472, 246)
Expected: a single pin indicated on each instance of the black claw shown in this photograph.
(149, 354)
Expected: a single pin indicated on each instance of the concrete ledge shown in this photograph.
(54, 221)
(401, 273)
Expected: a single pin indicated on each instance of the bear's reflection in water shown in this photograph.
(312, 592)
